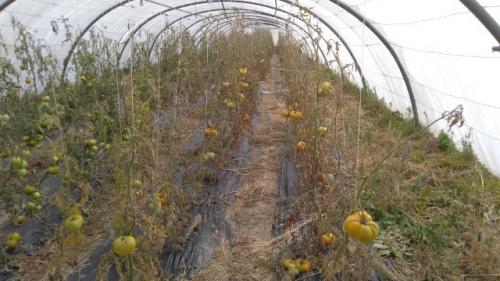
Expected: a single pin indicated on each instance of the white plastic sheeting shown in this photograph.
(445, 50)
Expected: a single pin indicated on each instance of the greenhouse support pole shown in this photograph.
(284, 23)
(485, 18)
(402, 68)
(5, 4)
(215, 10)
(279, 24)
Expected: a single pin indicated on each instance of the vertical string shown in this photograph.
(158, 107)
(206, 77)
(358, 141)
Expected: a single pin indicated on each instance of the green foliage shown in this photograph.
(100, 128)
(445, 143)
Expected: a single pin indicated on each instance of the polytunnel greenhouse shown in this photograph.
(249, 140)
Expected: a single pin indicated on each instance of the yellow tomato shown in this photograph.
(163, 198)
(301, 146)
(361, 226)
(325, 88)
(295, 115)
(321, 131)
(304, 266)
(327, 239)
(211, 132)
(288, 263)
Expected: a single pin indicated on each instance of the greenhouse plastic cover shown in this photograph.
(446, 51)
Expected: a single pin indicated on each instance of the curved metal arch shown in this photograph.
(284, 22)
(365, 84)
(84, 31)
(372, 28)
(224, 27)
(144, 22)
(196, 22)
(6, 4)
(384, 41)
(339, 3)
(107, 11)
(485, 18)
(262, 15)
(280, 25)
(215, 10)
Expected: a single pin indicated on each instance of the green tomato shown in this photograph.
(31, 206)
(73, 223)
(230, 105)
(24, 164)
(155, 207)
(29, 189)
(11, 244)
(4, 154)
(21, 219)
(210, 155)
(124, 245)
(91, 142)
(16, 162)
(67, 175)
(25, 139)
(22, 172)
(136, 184)
(14, 236)
(53, 170)
(26, 154)
(32, 143)
(45, 98)
(37, 195)
(104, 146)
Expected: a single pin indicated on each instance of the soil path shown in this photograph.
(248, 256)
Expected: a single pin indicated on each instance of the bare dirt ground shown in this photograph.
(250, 256)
